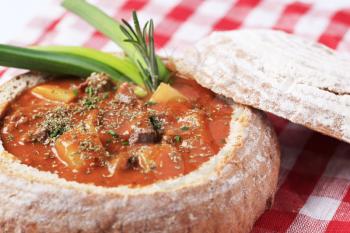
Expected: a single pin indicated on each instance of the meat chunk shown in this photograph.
(132, 125)
(151, 132)
(17, 119)
(54, 123)
(144, 135)
(39, 135)
(100, 82)
(128, 118)
(125, 94)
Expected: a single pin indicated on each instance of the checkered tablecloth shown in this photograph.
(313, 191)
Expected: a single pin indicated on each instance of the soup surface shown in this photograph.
(92, 131)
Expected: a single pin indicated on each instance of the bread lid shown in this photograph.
(302, 81)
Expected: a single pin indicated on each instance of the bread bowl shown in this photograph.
(225, 194)
(126, 143)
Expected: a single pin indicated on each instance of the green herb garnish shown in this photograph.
(75, 91)
(90, 91)
(156, 123)
(112, 133)
(125, 143)
(56, 132)
(90, 102)
(108, 142)
(178, 138)
(105, 95)
(10, 138)
(185, 128)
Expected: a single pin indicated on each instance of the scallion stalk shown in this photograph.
(122, 64)
(53, 62)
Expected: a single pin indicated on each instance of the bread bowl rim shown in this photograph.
(208, 171)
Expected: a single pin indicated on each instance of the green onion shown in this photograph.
(122, 64)
(111, 28)
(54, 62)
(140, 92)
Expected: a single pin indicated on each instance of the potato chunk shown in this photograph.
(3, 108)
(79, 149)
(68, 151)
(165, 93)
(54, 93)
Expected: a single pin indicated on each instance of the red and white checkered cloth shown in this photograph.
(313, 194)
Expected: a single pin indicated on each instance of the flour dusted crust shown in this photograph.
(300, 80)
(226, 194)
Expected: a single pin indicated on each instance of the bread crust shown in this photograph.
(226, 194)
(276, 72)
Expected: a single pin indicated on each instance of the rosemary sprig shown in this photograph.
(152, 68)
(143, 41)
